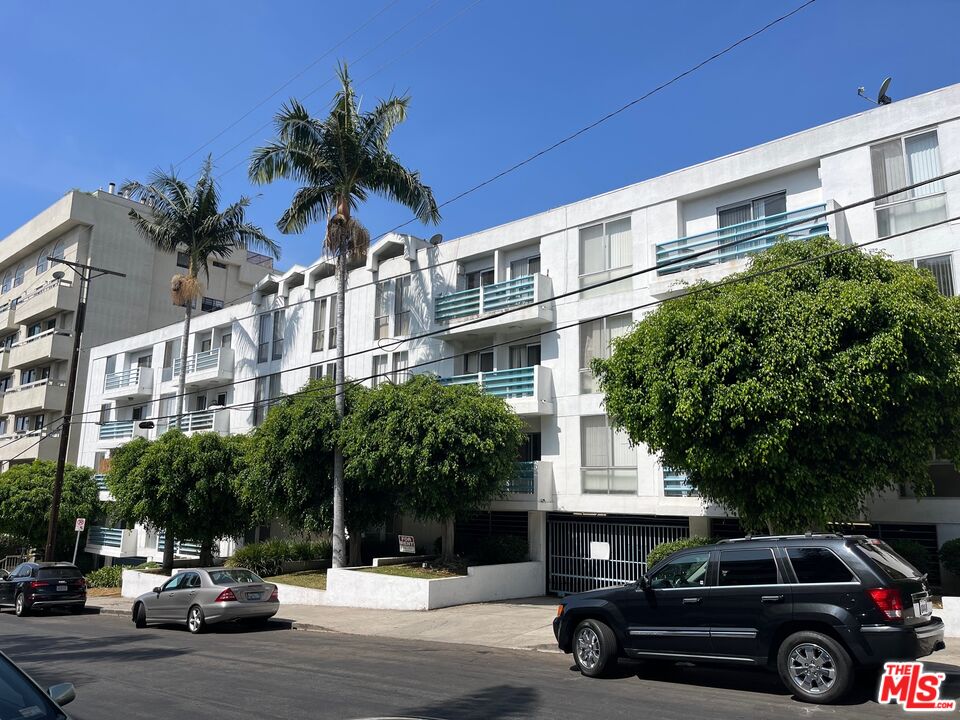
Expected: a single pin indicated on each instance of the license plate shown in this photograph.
(253, 596)
(61, 588)
(924, 607)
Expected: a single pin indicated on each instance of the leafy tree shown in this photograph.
(791, 397)
(443, 450)
(188, 219)
(186, 485)
(289, 466)
(338, 162)
(26, 492)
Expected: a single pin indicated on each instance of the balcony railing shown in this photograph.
(762, 233)
(117, 380)
(207, 360)
(675, 484)
(181, 547)
(516, 383)
(101, 481)
(202, 420)
(475, 301)
(105, 536)
(525, 481)
(117, 430)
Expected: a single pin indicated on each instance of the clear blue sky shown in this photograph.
(91, 93)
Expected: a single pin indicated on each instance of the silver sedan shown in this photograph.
(203, 596)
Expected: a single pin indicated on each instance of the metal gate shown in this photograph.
(570, 568)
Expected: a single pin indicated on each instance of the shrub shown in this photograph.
(950, 555)
(149, 565)
(668, 548)
(913, 552)
(500, 549)
(106, 577)
(267, 558)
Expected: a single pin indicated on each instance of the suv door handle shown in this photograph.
(771, 598)
(691, 601)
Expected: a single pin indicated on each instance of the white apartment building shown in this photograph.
(589, 503)
(37, 310)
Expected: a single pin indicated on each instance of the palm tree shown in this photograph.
(338, 161)
(189, 220)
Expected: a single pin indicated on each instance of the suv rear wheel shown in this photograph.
(594, 648)
(814, 667)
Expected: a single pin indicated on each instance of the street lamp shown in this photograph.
(86, 274)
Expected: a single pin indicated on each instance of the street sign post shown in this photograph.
(407, 544)
(80, 525)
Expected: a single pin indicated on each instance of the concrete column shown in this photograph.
(699, 526)
(537, 535)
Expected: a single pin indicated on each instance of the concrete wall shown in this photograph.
(136, 583)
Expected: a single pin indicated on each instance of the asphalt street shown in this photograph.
(238, 673)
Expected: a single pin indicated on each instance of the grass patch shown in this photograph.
(414, 571)
(315, 579)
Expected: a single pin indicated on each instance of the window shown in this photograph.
(104, 413)
(58, 250)
(3, 426)
(226, 340)
(882, 555)
(7, 282)
(332, 345)
(316, 371)
(608, 461)
(400, 360)
(523, 356)
(744, 212)
(34, 329)
(381, 316)
(277, 335)
(220, 265)
(34, 375)
(221, 399)
(19, 274)
(379, 370)
(478, 278)
(266, 391)
(263, 336)
(595, 339)
(606, 252)
(902, 162)
(137, 413)
(22, 423)
(201, 403)
(524, 267)
(685, 571)
(474, 362)
(818, 565)
(42, 261)
(531, 448)
(144, 361)
(319, 323)
(183, 260)
(331, 371)
(5, 383)
(942, 269)
(401, 307)
(748, 567)
(205, 344)
(210, 304)
(174, 583)
(51, 324)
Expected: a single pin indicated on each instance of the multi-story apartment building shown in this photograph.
(37, 309)
(590, 504)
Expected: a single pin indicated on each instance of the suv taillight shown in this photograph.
(226, 596)
(888, 602)
(38, 584)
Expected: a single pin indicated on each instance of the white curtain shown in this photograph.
(591, 250)
(624, 454)
(595, 441)
(621, 243)
(617, 326)
(590, 341)
(923, 160)
(888, 170)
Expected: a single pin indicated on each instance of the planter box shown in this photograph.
(483, 583)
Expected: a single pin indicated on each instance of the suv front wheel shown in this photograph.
(594, 648)
(814, 667)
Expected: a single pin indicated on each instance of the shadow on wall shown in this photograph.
(500, 701)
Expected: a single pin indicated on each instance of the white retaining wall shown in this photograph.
(136, 583)
(950, 614)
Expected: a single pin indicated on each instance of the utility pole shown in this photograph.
(86, 274)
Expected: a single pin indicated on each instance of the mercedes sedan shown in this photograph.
(203, 596)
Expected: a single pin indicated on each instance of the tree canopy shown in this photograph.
(26, 492)
(792, 397)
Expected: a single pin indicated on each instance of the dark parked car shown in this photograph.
(21, 697)
(812, 607)
(42, 585)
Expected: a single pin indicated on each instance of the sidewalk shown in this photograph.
(525, 624)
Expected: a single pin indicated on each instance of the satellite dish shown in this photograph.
(436, 239)
(882, 97)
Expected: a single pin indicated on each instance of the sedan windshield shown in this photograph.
(20, 698)
(232, 576)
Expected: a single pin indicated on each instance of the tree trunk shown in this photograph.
(206, 553)
(181, 391)
(339, 554)
(355, 558)
(447, 543)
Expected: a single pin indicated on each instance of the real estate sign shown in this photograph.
(407, 544)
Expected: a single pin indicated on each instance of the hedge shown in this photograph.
(668, 548)
(267, 558)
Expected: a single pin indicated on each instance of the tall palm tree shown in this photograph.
(180, 218)
(338, 161)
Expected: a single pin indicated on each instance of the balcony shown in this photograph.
(101, 481)
(26, 447)
(763, 232)
(531, 488)
(132, 383)
(454, 308)
(7, 321)
(35, 397)
(111, 541)
(675, 484)
(204, 368)
(214, 420)
(49, 299)
(117, 432)
(526, 390)
(40, 348)
(180, 547)
(5, 360)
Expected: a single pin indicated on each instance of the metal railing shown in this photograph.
(180, 547)
(46, 287)
(117, 380)
(675, 484)
(475, 301)
(524, 483)
(40, 336)
(117, 430)
(516, 383)
(201, 420)
(101, 481)
(199, 361)
(257, 259)
(105, 536)
(11, 561)
(35, 384)
(772, 228)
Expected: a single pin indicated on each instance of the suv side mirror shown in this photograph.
(643, 583)
(4, 575)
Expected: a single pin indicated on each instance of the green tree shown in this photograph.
(26, 492)
(339, 161)
(442, 450)
(189, 486)
(791, 397)
(289, 466)
(180, 218)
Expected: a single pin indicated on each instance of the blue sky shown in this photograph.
(91, 93)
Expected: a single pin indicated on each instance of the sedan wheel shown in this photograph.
(195, 620)
(139, 616)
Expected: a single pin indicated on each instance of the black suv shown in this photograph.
(810, 606)
(42, 585)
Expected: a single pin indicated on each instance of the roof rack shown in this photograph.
(781, 537)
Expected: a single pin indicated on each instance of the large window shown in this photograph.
(19, 274)
(400, 362)
(379, 370)
(595, 339)
(752, 210)
(686, 571)
(333, 323)
(266, 392)
(748, 567)
(263, 338)
(209, 304)
(606, 252)
(319, 324)
(401, 307)
(523, 356)
(942, 269)
(474, 362)
(608, 461)
(277, 335)
(381, 312)
(903, 162)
